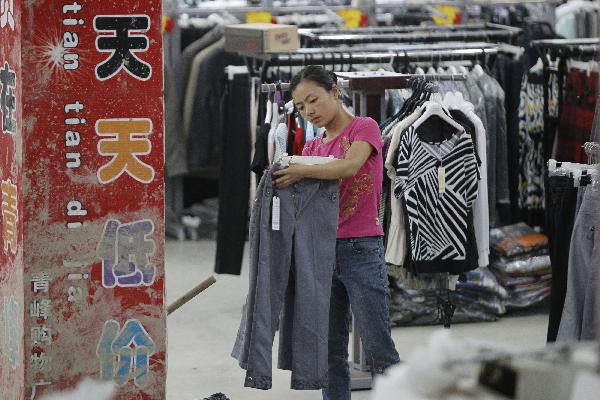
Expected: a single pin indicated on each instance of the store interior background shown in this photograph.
(201, 334)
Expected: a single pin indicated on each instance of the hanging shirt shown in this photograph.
(281, 139)
(395, 250)
(360, 194)
(298, 139)
(439, 185)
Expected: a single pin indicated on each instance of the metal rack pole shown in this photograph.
(425, 37)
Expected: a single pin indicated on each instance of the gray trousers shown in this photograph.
(578, 321)
(290, 282)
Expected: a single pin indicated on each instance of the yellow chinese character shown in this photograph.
(10, 216)
(128, 140)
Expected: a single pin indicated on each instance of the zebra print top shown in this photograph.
(439, 185)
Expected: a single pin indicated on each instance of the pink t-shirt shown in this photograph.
(360, 194)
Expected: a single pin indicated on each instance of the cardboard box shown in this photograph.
(261, 38)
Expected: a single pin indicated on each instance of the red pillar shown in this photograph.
(88, 271)
(12, 318)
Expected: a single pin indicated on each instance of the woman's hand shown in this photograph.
(289, 175)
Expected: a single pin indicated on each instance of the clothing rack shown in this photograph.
(567, 48)
(345, 58)
(402, 5)
(487, 33)
(368, 88)
(392, 81)
(406, 28)
(563, 50)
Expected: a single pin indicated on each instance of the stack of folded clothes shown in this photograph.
(521, 264)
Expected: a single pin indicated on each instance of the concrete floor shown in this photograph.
(202, 332)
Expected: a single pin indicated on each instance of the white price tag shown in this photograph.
(275, 220)
(442, 179)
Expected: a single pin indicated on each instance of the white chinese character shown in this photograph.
(40, 308)
(39, 361)
(7, 14)
(41, 282)
(40, 335)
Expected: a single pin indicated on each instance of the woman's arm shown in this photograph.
(358, 154)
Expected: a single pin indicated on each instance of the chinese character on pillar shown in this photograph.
(39, 361)
(128, 140)
(41, 282)
(40, 308)
(125, 38)
(40, 335)
(124, 250)
(125, 353)
(8, 101)
(7, 14)
(10, 216)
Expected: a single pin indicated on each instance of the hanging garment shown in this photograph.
(260, 161)
(577, 115)
(298, 144)
(439, 185)
(290, 271)
(531, 152)
(281, 142)
(234, 192)
(551, 120)
(395, 251)
(191, 51)
(578, 321)
(193, 89)
(205, 119)
(271, 136)
(476, 96)
(481, 220)
(496, 114)
(561, 201)
(175, 154)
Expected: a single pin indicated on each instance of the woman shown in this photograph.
(360, 278)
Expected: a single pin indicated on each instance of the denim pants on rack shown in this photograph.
(290, 280)
(360, 282)
(578, 321)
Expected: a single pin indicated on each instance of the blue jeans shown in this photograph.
(290, 283)
(359, 282)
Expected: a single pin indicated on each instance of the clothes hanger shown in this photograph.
(478, 71)
(433, 109)
(411, 103)
(413, 84)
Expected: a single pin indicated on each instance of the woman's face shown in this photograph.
(316, 104)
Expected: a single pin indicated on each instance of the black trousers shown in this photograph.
(234, 182)
(561, 202)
